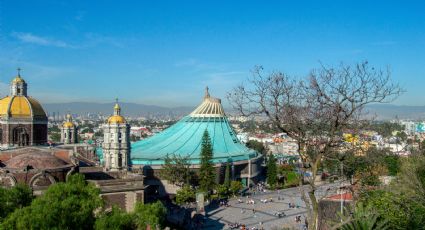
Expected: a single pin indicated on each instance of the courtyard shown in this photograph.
(259, 214)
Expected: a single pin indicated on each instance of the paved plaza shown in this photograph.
(264, 216)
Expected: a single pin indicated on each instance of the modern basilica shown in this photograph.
(183, 139)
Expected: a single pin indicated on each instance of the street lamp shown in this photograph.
(341, 159)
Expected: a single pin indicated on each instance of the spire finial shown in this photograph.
(19, 71)
(117, 108)
(207, 93)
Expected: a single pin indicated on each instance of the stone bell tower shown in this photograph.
(116, 143)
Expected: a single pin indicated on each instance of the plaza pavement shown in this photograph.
(242, 212)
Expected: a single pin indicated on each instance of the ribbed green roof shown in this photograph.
(184, 139)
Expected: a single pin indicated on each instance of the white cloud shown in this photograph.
(38, 40)
(87, 41)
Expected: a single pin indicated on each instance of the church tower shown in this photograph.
(23, 121)
(116, 143)
(69, 131)
(18, 87)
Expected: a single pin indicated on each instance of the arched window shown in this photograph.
(20, 136)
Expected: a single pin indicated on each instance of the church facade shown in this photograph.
(23, 121)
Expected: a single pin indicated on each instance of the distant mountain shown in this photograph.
(380, 111)
(388, 111)
(128, 109)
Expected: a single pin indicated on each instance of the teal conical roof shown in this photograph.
(184, 138)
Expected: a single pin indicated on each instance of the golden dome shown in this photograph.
(116, 119)
(68, 124)
(18, 79)
(20, 107)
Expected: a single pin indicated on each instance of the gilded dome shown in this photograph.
(18, 79)
(68, 124)
(20, 107)
(116, 119)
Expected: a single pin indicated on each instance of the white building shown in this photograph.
(116, 143)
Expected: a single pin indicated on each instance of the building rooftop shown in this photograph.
(184, 138)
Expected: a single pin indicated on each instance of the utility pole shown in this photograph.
(340, 188)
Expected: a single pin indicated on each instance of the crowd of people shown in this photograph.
(251, 199)
(243, 227)
(266, 200)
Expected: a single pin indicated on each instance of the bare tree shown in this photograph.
(315, 110)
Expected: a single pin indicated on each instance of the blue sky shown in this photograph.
(166, 52)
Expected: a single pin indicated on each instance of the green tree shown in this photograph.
(68, 205)
(364, 218)
(13, 198)
(185, 194)
(389, 207)
(176, 170)
(206, 171)
(393, 163)
(315, 110)
(402, 203)
(292, 179)
(54, 129)
(272, 171)
(99, 133)
(55, 137)
(116, 219)
(222, 190)
(257, 146)
(235, 187)
(153, 214)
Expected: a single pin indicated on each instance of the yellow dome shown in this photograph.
(116, 119)
(18, 79)
(68, 124)
(20, 107)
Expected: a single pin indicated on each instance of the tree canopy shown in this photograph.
(153, 214)
(206, 172)
(315, 110)
(272, 171)
(13, 198)
(116, 219)
(68, 205)
(176, 170)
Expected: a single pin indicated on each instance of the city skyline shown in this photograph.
(166, 53)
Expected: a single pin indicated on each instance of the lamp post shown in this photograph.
(342, 203)
(341, 159)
